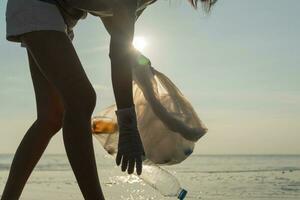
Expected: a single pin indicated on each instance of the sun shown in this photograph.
(139, 43)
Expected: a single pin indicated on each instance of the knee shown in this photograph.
(88, 100)
(82, 101)
(51, 120)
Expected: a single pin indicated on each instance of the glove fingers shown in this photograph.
(131, 165)
(124, 163)
(138, 165)
(118, 159)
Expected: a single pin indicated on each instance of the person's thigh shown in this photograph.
(58, 61)
(48, 101)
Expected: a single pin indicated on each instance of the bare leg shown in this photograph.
(35, 141)
(59, 63)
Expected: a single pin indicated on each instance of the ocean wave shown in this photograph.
(202, 164)
(284, 169)
(46, 167)
(4, 167)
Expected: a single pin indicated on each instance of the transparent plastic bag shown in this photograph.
(167, 122)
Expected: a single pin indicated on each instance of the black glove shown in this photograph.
(130, 147)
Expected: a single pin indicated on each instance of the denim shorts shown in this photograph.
(24, 16)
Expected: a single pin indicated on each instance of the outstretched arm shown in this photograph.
(121, 51)
(121, 29)
(107, 21)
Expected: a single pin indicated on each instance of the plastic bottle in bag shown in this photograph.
(105, 125)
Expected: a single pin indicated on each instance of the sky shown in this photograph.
(238, 66)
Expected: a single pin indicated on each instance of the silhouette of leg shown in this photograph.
(48, 123)
(59, 63)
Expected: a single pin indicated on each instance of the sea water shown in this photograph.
(212, 177)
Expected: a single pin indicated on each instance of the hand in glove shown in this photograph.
(130, 147)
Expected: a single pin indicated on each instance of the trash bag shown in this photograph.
(168, 125)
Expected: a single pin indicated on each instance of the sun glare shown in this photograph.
(139, 43)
